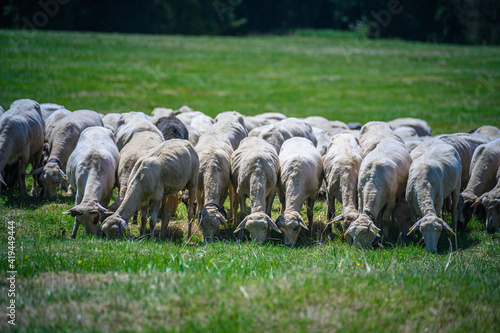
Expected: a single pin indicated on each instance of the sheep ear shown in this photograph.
(2, 181)
(336, 219)
(477, 202)
(447, 227)
(373, 228)
(273, 225)
(242, 225)
(36, 171)
(413, 227)
(73, 211)
(303, 225)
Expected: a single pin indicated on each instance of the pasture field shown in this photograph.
(323, 284)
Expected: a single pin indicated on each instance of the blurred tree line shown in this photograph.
(456, 21)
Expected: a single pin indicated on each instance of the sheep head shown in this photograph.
(431, 226)
(114, 227)
(89, 215)
(210, 218)
(362, 231)
(290, 224)
(345, 219)
(491, 202)
(51, 175)
(465, 208)
(258, 224)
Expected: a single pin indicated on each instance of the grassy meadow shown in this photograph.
(96, 285)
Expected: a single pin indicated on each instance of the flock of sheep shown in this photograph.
(386, 174)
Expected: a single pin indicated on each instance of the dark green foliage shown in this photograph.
(462, 21)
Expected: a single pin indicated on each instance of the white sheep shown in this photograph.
(167, 169)
(91, 170)
(63, 140)
(382, 180)
(301, 174)
(341, 168)
(254, 168)
(434, 176)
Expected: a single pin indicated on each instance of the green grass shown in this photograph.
(229, 286)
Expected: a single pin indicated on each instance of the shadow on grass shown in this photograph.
(11, 199)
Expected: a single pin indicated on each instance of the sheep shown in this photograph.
(186, 117)
(405, 132)
(254, 167)
(172, 128)
(52, 120)
(254, 122)
(300, 177)
(202, 123)
(298, 128)
(131, 123)
(21, 141)
(62, 142)
(138, 145)
(110, 121)
(323, 140)
(491, 202)
(91, 171)
(341, 168)
(330, 127)
(434, 176)
(421, 127)
(464, 143)
(48, 108)
(274, 135)
(372, 133)
(160, 113)
(232, 124)
(382, 181)
(214, 150)
(1, 110)
(483, 177)
(490, 132)
(167, 169)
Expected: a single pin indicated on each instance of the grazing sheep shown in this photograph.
(298, 128)
(323, 140)
(131, 123)
(330, 127)
(48, 108)
(491, 202)
(110, 121)
(167, 169)
(382, 181)
(405, 132)
(63, 140)
(52, 120)
(274, 135)
(138, 146)
(160, 113)
(254, 167)
(232, 124)
(372, 133)
(484, 170)
(254, 122)
(421, 126)
(433, 177)
(21, 141)
(464, 143)
(91, 170)
(172, 128)
(300, 177)
(490, 132)
(201, 123)
(186, 117)
(341, 168)
(214, 150)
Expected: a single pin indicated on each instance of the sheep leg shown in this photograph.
(135, 218)
(331, 207)
(310, 205)
(192, 194)
(36, 165)
(165, 219)
(454, 212)
(233, 198)
(75, 228)
(386, 216)
(243, 207)
(269, 202)
(155, 208)
(21, 178)
(144, 217)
